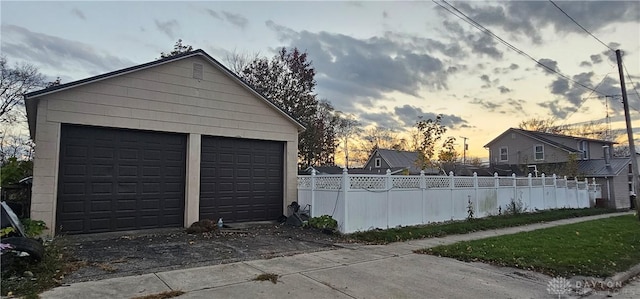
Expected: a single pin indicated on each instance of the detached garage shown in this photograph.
(162, 144)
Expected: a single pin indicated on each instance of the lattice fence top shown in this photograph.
(463, 182)
(437, 182)
(505, 182)
(405, 182)
(329, 182)
(304, 182)
(536, 181)
(561, 183)
(367, 182)
(383, 182)
(486, 182)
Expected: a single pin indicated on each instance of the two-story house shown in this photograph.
(535, 151)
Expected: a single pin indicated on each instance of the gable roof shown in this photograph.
(543, 137)
(396, 158)
(598, 167)
(31, 98)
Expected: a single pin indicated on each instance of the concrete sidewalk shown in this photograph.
(355, 271)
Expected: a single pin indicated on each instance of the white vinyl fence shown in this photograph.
(365, 202)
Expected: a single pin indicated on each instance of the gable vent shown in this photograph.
(197, 71)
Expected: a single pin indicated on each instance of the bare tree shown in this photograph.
(237, 61)
(593, 130)
(14, 83)
(13, 144)
(347, 128)
(540, 125)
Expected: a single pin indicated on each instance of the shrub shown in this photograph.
(33, 228)
(322, 222)
(515, 207)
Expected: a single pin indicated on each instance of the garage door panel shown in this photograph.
(234, 176)
(109, 176)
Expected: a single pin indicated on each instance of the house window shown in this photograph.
(504, 153)
(378, 162)
(538, 152)
(584, 148)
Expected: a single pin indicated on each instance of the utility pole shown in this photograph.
(627, 118)
(464, 151)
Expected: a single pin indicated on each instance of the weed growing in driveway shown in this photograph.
(163, 295)
(24, 279)
(267, 277)
(471, 225)
(592, 248)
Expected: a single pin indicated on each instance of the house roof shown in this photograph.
(324, 169)
(396, 158)
(31, 98)
(598, 167)
(544, 138)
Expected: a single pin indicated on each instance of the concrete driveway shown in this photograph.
(355, 271)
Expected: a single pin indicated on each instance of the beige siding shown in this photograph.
(161, 98)
(167, 98)
(45, 168)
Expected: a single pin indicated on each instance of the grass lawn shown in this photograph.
(467, 226)
(597, 248)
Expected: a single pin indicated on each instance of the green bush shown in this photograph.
(33, 228)
(322, 222)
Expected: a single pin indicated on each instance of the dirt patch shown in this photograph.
(123, 254)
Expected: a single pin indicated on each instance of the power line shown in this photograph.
(585, 30)
(478, 26)
(589, 96)
(633, 85)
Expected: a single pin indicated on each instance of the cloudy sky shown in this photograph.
(388, 63)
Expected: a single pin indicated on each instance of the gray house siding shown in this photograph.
(520, 150)
(620, 192)
(371, 165)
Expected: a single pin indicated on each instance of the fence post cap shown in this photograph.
(422, 172)
(388, 171)
(475, 174)
(495, 174)
(543, 175)
(313, 172)
(450, 173)
(345, 170)
(529, 175)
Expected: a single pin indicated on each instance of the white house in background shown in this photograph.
(161, 144)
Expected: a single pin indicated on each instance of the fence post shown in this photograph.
(388, 185)
(530, 179)
(515, 187)
(497, 187)
(346, 184)
(475, 188)
(313, 192)
(452, 185)
(423, 186)
(577, 193)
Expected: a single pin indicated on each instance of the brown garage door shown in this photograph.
(241, 179)
(116, 179)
